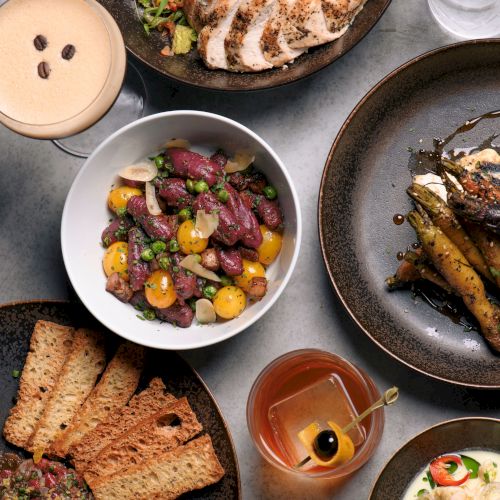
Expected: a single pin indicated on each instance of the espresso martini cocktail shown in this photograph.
(63, 64)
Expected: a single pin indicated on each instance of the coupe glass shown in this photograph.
(468, 18)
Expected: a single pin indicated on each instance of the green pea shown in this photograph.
(185, 214)
(147, 254)
(16, 373)
(270, 192)
(226, 280)
(209, 292)
(174, 246)
(121, 212)
(159, 162)
(164, 263)
(201, 187)
(149, 314)
(190, 185)
(223, 195)
(197, 257)
(158, 247)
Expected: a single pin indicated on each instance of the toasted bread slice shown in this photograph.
(166, 476)
(164, 431)
(141, 406)
(117, 385)
(49, 348)
(79, 373)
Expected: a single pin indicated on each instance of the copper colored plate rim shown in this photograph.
(421, 433)
(327, 167)
(56, 302)
(262, 86)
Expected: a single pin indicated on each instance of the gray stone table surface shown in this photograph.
(300, 122)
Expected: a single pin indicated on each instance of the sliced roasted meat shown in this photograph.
(177, 314)
(116, 231)
(119, 288)
(191, 165)
(211, 37)
(197, 12)
(340, 13)
(184, 281)
(209, 259)
(268, 211)
(273, 43)
(138, 270)
(242, 43)
(228, 232)
(306, 25)
(230, 261)
(250, 230)
(158, 227)
(174, 192)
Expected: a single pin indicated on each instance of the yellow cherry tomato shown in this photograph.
(270, 247)
(229, 302)
(160, 291)
(115, 259)
(250, 270)
(188, 239)
(119, 197)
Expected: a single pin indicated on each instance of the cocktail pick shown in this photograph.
(388, 398)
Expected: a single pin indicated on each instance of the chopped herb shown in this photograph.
(140, 317)
(421, 492)
(486, 477)
(149, 315)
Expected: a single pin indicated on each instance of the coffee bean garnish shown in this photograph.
(68, 52)
(40, 42)
(43, 70)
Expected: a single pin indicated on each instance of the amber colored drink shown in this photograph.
(305, 386)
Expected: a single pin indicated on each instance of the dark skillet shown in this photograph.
(191, 70)
(16, 325)
(363, 187)
(446, 437)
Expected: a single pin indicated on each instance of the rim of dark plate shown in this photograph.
(198, 376)
(416, 436)
(190, 83)
(345, 125)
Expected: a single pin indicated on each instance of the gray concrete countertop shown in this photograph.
(300, 122)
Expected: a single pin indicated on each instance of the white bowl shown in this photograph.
(86, 214)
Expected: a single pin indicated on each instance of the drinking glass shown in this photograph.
(468, 18)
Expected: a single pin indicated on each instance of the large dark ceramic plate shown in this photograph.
(363, 187)
(446, 437)
(16, 325)
(191, 70)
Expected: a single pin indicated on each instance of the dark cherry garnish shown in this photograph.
(326, 444)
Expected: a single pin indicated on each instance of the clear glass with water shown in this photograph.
(468, 18)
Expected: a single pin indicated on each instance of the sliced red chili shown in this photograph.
(440, 471)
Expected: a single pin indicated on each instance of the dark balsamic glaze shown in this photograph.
(398, 219)
(422, 162)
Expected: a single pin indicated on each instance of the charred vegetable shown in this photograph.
(453, 266)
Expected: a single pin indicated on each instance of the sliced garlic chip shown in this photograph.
(206, 224)
(205, 312)
(241, 161)
(151, 201)
(140, 172)
(191, 264)
(178, 143)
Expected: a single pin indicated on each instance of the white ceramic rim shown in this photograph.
(298, 237)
